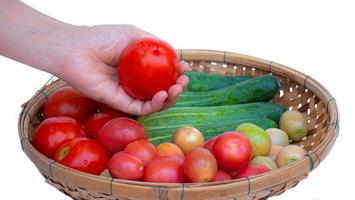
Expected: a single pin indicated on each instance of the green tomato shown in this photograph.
(259, 139)
(290, 154)
(294, 124)
(264, 160)
(278, 137)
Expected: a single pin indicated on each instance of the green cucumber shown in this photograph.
(210, 120)
(165, 134)
(183, 115)
(202, 82)
(261, 88)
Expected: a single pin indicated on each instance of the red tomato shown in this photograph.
(146, 67)
(93, 125)
(119, 132)
(251, 170)
(67, 101)
(143, 149)
(209, 143)
(222, 176)
(126, 166)
(165, 170)
(200, 165)
(232, 150)
(169, 149)
(53, 132)
(83, 154)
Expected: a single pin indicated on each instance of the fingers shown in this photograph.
(184, 66)
(183, 81)
(154, 105)
(137, 107)
(173, 95)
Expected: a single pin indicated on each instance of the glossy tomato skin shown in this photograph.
(67, 101)
(83, 154)
(188, 138)
(222, 176)
(123, 165)
(251, 170)
(119, 132)
(146, 67)
(233, 151)
(200, 165)
(209, 143)
(169, 149)
(94, 124)
(53, 132)
(143, 149)
(167, 169)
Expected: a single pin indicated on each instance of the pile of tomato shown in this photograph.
(87, 136)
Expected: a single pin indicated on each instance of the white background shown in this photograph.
(315, 37)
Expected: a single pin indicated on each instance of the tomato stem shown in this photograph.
(291, 160)
(64, 152)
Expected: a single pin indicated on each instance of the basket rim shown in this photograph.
(226, 57)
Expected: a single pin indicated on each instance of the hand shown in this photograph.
(90, 61)
(84, 57)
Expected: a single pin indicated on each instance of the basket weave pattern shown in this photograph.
(298, 92)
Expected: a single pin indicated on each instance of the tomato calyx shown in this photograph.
(291, 160)
(64, 152)
(204, 180)
(140, 167)
(233, 147)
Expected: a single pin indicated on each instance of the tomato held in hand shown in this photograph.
(126, 166)
(94, 124)
(146, 67)
(83, 154)
(53, 132)
(233, 151)
(119, 132)
(143, 149)
(165, 170)
(67, 101)
(200, 165)
(251, 170)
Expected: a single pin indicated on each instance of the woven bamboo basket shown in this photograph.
(298, 92)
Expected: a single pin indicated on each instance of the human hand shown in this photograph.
(89, 57)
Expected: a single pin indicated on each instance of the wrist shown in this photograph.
(54, 47)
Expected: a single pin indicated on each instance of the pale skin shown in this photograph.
(85, 57)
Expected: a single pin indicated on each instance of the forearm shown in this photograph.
(26, 35)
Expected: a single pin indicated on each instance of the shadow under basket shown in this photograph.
(297, 92)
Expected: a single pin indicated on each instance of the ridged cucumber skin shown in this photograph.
(202, 82)
(261, 88)
(195, 115)
(211, 130)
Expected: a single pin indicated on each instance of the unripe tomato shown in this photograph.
(200, 165)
